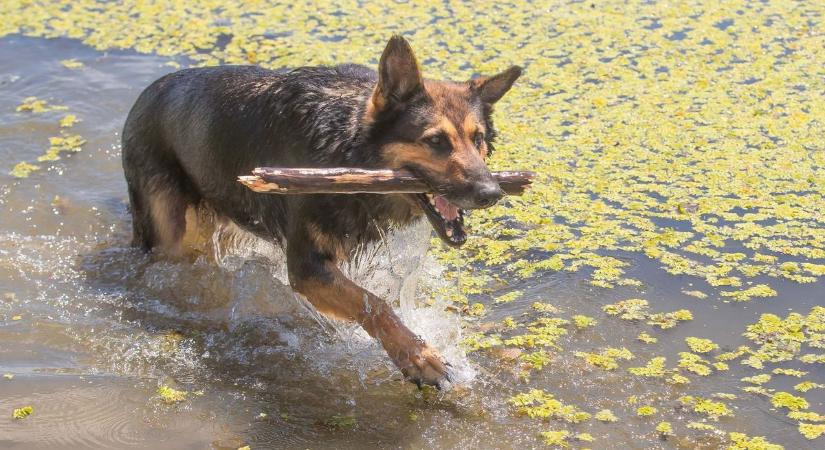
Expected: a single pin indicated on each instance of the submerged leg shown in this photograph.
(159, 195)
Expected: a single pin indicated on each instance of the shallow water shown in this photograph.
(102, 326)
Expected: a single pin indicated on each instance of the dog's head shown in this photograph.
(439, 130)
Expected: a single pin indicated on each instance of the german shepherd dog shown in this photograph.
(191, 133)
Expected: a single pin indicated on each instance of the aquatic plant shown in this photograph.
(741, 441)
(68, 121)
(65, 143)
(584, 437)
(646, 338)
(699, 345)
(170, 396)
(694, 363)
(811, 430)
(807, 416)
(36, 105)
(758, 379)
(664, 428)
(606, 359)
(646, 411)
(806, 386)
(556, 438)
(509, 297)
(631, 309)
(72, 63)
(605, 415)
(479, 341)
(582, 322)
(538, 403)
(23, 170)
(712, 409)
(22, 413)
(544, 332)
(536, 360)
(653, 369)
(789, 372)
(789, 401)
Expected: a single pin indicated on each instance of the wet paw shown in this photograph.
(425, 366)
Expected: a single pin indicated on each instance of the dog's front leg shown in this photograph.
(314, 274)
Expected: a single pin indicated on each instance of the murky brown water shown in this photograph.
(102, 325)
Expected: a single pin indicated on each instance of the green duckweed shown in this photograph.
(22, 413)
(170, 396)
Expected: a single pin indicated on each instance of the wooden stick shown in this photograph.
(345, 180)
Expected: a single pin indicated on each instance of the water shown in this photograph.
(102, 326)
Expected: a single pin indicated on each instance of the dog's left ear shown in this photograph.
(492, 88)
(398, 75)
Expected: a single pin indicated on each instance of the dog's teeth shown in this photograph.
(449, 232)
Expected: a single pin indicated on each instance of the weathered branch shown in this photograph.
(344, 180)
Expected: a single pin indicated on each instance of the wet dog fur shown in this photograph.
(191, 133)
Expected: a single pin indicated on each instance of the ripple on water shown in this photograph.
(87, 412)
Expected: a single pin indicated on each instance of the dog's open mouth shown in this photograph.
(445, 217)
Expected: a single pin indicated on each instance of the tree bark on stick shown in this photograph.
(345, 180)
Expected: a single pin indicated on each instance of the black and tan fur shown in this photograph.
(191, 133)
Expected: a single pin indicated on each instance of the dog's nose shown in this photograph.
(487, 194)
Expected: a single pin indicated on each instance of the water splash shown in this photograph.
(395, 268)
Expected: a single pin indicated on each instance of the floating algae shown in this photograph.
(605, 415)
(607, 358)
(699, 345)
(68, 121)
(72, 64)
(646, 411)
(22, 413)
(61, 144)
(664, 428)
(23, 170)
(64, 143)
(36, 105)
(171, 396)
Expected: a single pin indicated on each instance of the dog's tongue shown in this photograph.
(448, 210)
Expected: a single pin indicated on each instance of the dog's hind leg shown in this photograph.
(167, 208)
(142, 228)
(159, 197)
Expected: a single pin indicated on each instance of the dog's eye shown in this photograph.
(478, 138)
(438, 142)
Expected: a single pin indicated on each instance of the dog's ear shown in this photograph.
(492, 88)
(399, 77)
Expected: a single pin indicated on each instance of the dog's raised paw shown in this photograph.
(425, 366)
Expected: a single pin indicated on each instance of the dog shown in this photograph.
(192, 132)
